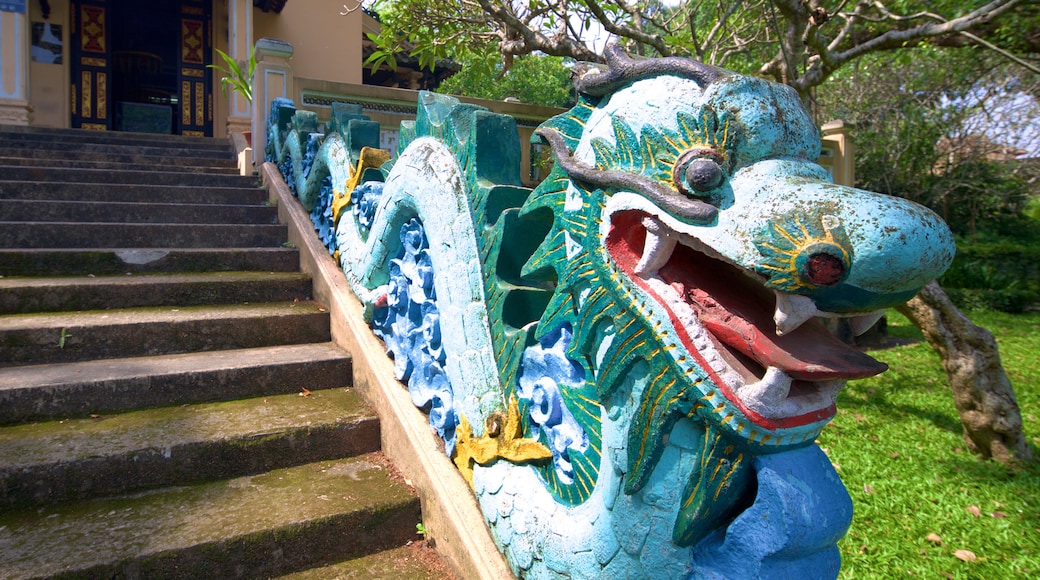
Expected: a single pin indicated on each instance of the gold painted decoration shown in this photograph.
(92, 61)
(200, 103)
(92, 28)
(86, 82)
(192, 72)
(186, 102)
(502, 439)
(369, 158)
(102, 95)
(193, 133)
(191, 41)
(94, 126)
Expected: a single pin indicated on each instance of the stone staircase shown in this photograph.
(171, 403)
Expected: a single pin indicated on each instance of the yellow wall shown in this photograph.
(49, 83)
(325, 44)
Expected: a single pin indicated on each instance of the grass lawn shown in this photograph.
(922, 502)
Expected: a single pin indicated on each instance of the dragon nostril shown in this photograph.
(824, 269)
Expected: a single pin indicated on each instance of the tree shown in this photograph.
(797, 42)
(990, 419)
(801, 43)
(533, 79)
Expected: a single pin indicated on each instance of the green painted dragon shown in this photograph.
(627, 362)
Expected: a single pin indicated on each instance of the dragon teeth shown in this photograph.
(792, 311)
(658, 248)
(767, 395)
(861, 324)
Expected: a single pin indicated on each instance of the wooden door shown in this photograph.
(91, 66)
(194, 80)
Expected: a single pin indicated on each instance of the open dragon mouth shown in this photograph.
(777, 363)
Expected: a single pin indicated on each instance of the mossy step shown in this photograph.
(72, 234)
(80, 389)
(43, 156)
(111, 454)
(116, 140)
(41, 210)
(24, 295)
(249, 527)
(66, 134)
(27, 339)
(148, 177)
(116, 235)
(102, 261)
(131, 192)
(414, 561)
(10, 158)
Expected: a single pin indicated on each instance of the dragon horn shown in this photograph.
(623, 69)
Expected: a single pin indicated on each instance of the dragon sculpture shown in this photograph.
(628, 362)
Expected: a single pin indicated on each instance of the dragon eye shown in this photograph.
(697, 172)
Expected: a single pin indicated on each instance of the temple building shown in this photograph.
(126, 65)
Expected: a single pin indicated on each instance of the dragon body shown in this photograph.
(628, 362)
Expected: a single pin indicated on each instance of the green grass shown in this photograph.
(897, 444)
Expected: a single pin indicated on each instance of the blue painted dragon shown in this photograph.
(628, 362)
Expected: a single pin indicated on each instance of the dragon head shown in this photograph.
(717, 225)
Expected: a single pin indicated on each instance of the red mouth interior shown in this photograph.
(738, 312)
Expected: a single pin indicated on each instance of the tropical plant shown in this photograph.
(237, 73)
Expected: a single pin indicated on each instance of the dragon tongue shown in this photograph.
(738, 313)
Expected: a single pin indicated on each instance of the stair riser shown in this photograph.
(43, 156)
(24, 300)
(185, 464)
(61, 135)
(274, 552)
(102, 142)
(9, 159)
(59, 175)
(71, 399)
(41, 345)
(51, 262)
(85, 211)
(90, 235)
(93, 192)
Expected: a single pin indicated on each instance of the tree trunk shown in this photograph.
(982, 393)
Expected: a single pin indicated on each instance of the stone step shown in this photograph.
(25, 295)
(102, 261)
(131, 193)
(63, 137)
(110, 177)
(39, 210)
(42, 155)
(30, 339)
(9, 158)
(55, 149)
(80, 389)
(115, 235)
(106, 455)
(257, 526)
(415, 561)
